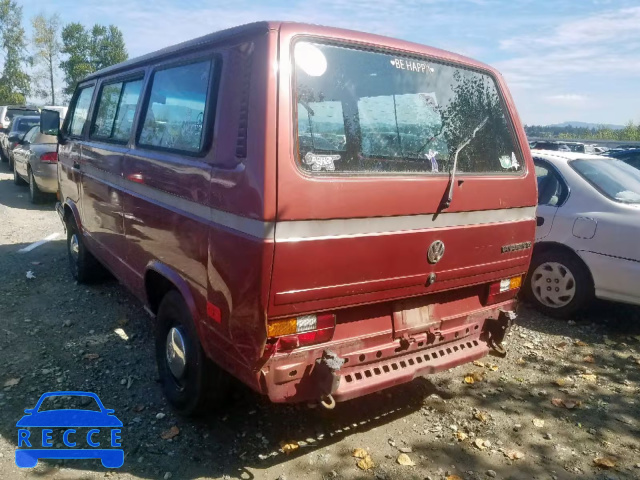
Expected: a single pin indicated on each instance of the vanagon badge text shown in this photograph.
(514, 247)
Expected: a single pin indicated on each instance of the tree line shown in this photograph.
(631, 132)
(49, 65)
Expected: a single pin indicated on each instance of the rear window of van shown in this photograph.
(367, 112)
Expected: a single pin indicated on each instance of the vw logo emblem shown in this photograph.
(435, 252)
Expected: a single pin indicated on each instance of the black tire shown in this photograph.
(17, 179)
(202, 385)
(35, 195)
(83, 265)
(558, 265)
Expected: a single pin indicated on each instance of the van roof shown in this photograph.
(251, 29)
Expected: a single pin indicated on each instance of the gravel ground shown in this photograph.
(563, 401)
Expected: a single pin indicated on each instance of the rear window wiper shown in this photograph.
(452, 174)
(429, 141)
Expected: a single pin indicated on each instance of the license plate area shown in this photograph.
(412, 316)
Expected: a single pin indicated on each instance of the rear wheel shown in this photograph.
(83, 265)
(35, 195)
(17, 179)
(559, 283)
(190, 381)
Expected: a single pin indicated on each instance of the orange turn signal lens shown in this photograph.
(510, 284)
(515, 282)
(503, 290)
(278, 328)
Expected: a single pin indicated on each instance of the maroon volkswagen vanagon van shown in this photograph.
(318, 212)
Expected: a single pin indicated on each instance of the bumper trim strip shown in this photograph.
(376, 376)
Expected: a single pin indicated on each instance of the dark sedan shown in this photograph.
(630, 156)
(19, 126)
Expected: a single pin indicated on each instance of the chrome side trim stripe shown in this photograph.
(294, 231)
(255, 228)
(300, 230)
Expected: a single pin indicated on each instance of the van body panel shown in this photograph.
(69, 178)
(394, 194)
(369, 234)
(342, 270)
(249, 237)
(101, 203)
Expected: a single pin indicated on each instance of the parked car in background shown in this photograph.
(587, 244)
(35, 161)
(6, 116)
(579, 147)
(549, 145)
(290, 252)
(19, 126)
(630, 156)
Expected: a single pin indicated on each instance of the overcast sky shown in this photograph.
(564, 60)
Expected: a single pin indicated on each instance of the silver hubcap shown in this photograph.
(74, 248)
(176, 352)
(553, 285)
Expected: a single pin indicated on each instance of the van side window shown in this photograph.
(116, 108)
(175, 112)
(80, 111)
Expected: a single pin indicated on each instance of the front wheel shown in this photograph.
(83, 265)
(190, 381)
(559, 284)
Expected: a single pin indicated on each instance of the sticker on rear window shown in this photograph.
(432, 158)
(319, 162)
(507, 161)
(411, 65)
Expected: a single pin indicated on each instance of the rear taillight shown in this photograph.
(291, 333)
(14, 145)
(51, 157)
(504, 289)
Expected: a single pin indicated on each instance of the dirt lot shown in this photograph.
(566, 395)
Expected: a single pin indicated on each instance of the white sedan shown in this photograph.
(588, 233)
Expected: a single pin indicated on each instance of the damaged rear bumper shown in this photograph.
(356, 382)
(306, 376)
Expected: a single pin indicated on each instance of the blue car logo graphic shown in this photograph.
(82, 432)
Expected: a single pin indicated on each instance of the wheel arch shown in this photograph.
(159, 279)
(541, 247)
(71, 211)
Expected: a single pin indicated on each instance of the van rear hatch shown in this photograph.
(399, 175)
